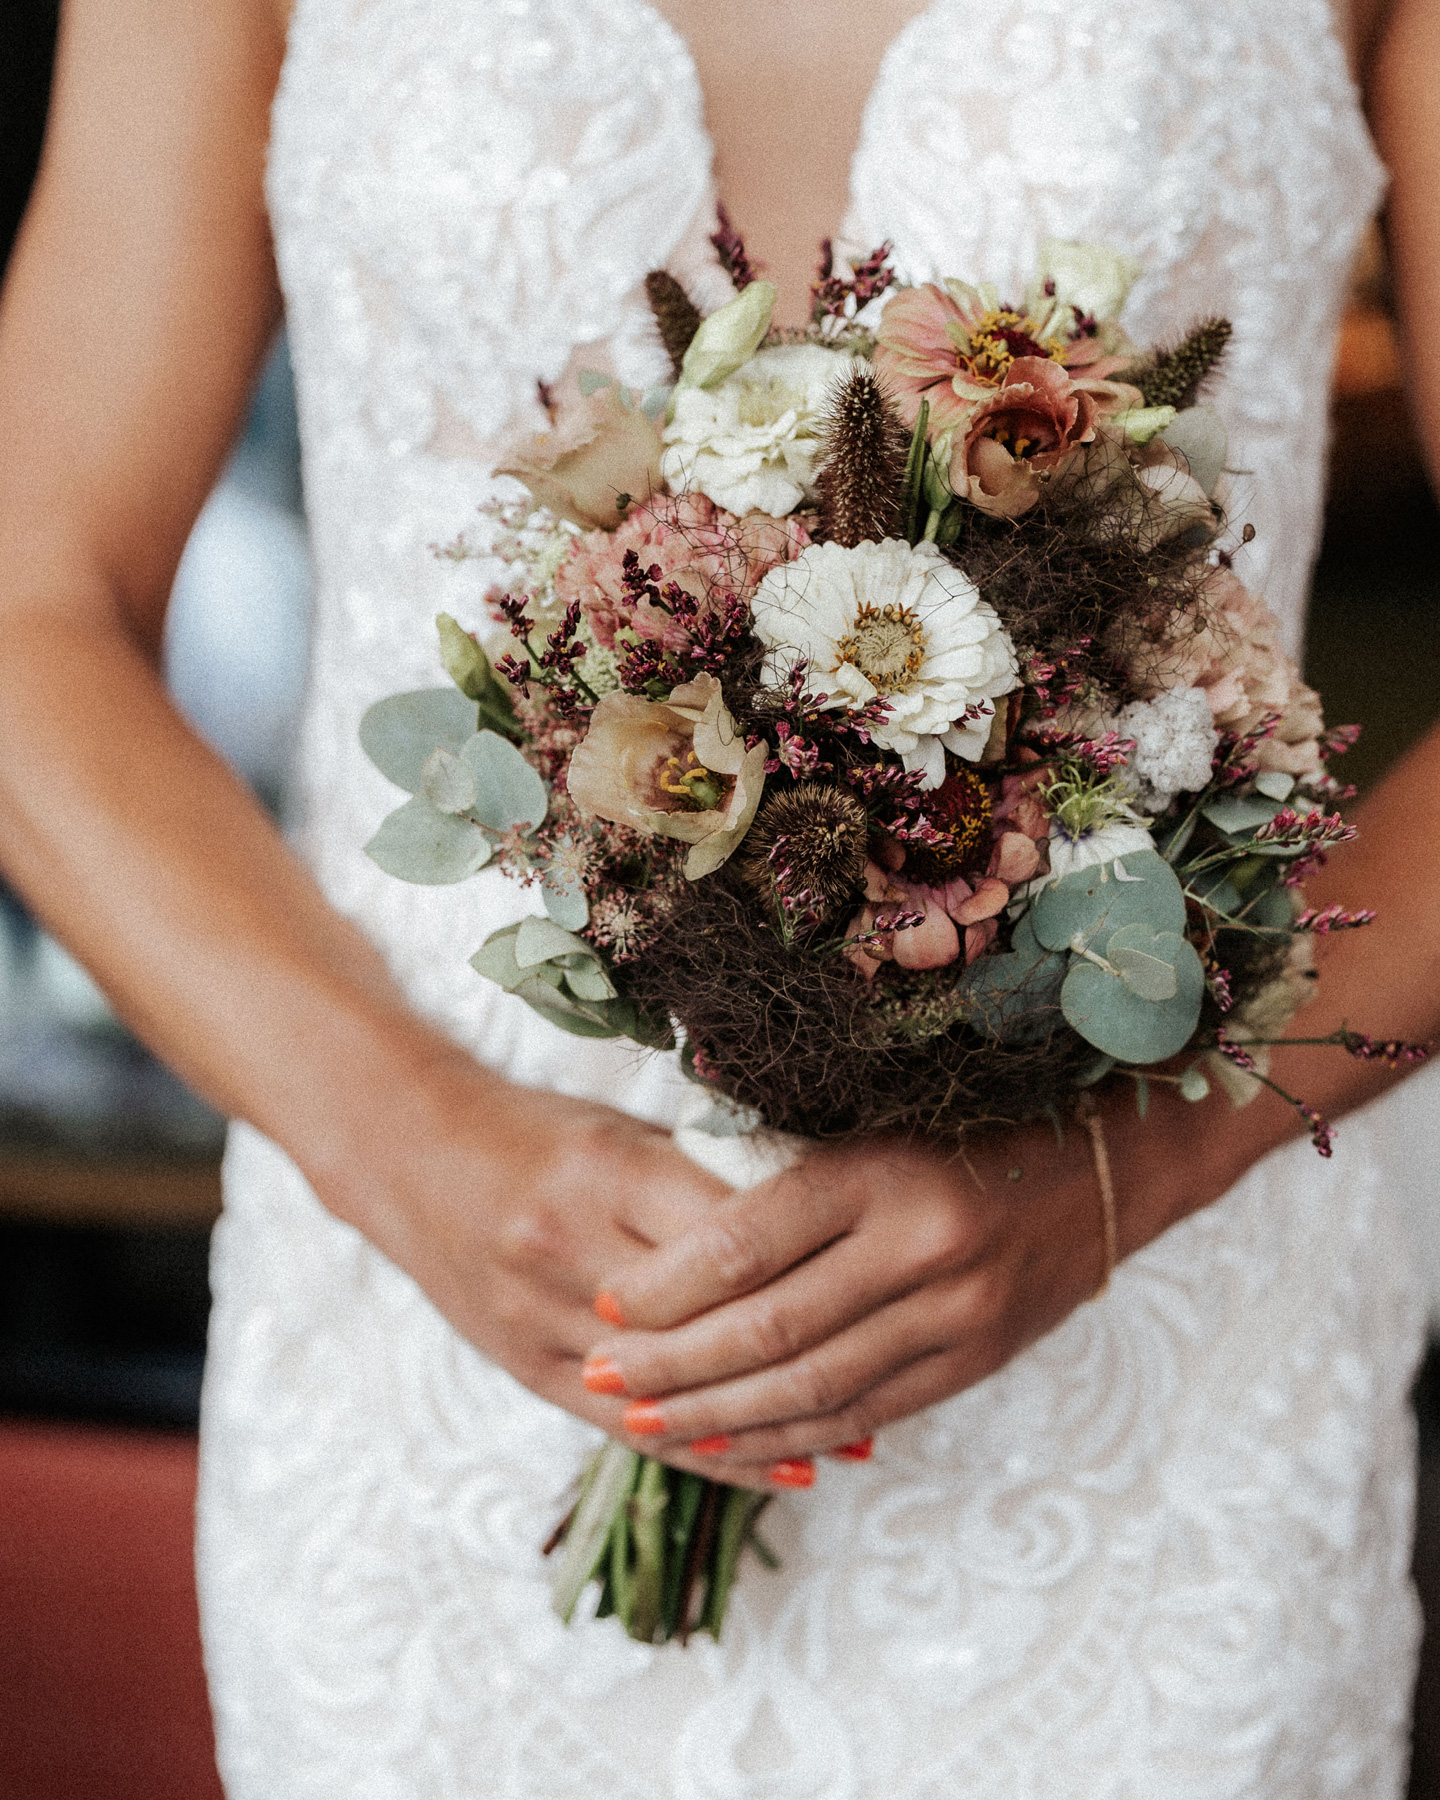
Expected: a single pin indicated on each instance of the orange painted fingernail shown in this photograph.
(856, 1452)
(797, 1474)
(644, 1419)
(711, 1446)
(607, 1307)
(601, 1376)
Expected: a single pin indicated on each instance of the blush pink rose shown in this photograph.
(696, 545)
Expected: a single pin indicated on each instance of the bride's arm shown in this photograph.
(880, 1281)
(139, 303)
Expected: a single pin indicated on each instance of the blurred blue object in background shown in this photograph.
(237, 636)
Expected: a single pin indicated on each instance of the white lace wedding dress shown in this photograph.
(1163, 1553)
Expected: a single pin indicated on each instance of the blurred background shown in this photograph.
(109, 1168)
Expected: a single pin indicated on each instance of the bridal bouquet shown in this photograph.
(881, 726)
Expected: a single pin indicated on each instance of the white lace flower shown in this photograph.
(1175, 744)
(750, 443)
(896, 623)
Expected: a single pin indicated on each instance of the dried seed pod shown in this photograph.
(808, 840)
(1175, 377)
(862, 470)
(676, 315)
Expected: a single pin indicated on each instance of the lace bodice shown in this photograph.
(1163, 1552)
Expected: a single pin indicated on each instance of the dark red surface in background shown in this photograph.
(102, 1695)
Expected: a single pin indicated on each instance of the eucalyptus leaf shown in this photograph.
(1275, 784)
(539, 940)
(566, 905)
(1274, 910)
(399, 733)
(1010, 995)
(1109, 1014)
(447, 783)
(1089, 904)
(495, 959)
(1138, 956)
(1237, 815)
(421, 844)
(510, 795)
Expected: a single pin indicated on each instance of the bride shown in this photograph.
(1151, 1542)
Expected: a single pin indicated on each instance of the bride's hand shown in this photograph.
(510, 1207)
(870, 1282)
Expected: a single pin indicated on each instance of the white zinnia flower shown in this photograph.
(750, 443)
(896, 623)
(1175, 744)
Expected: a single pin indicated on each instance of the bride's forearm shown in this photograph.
(145, 855)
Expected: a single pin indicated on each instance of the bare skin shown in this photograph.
(138, 306)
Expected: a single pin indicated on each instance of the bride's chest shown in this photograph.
(488, 170)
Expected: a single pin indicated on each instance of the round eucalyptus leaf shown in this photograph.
(495, 959)
(1237, 815)
(1139, 958)
(447, 783)
(421, 844)
(1012, 996)
(510, 795)
(1274, 910)
(1089, 904)
(399, 732)
(567, 906)
(1275, 784)
(1109, 1014)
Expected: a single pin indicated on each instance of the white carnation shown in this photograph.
(750, 443)
(1175, 744)
(892, 622)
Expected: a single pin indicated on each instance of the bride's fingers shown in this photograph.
(956, 1318)
(800, 1308)
(847, 1433)
(743, 1243)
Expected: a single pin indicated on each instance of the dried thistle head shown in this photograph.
(809, 840)
(1175, 377)
(960, 810)
(677, 318)
(862, 466)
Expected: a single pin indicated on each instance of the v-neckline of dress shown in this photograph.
(921, 21)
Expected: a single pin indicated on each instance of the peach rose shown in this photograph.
(945, 912)
(673, 768)
(603, 448)
(1232, 650)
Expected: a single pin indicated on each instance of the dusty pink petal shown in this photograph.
(891, 853)
(1015, 858)
(878, 886)
(979, 938)
(988, 899)
(928, 946)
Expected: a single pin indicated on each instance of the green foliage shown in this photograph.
(469, 668)
(1090, 904)
(1140, 1002)
(1133, 983)
(566, 981)
(461, 803)
(400, 733)
(1009, 996)
(419, 843)
(509, 794)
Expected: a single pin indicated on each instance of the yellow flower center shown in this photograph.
(887, 645)
(692, 782)
(762, 402)
(997, 338)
